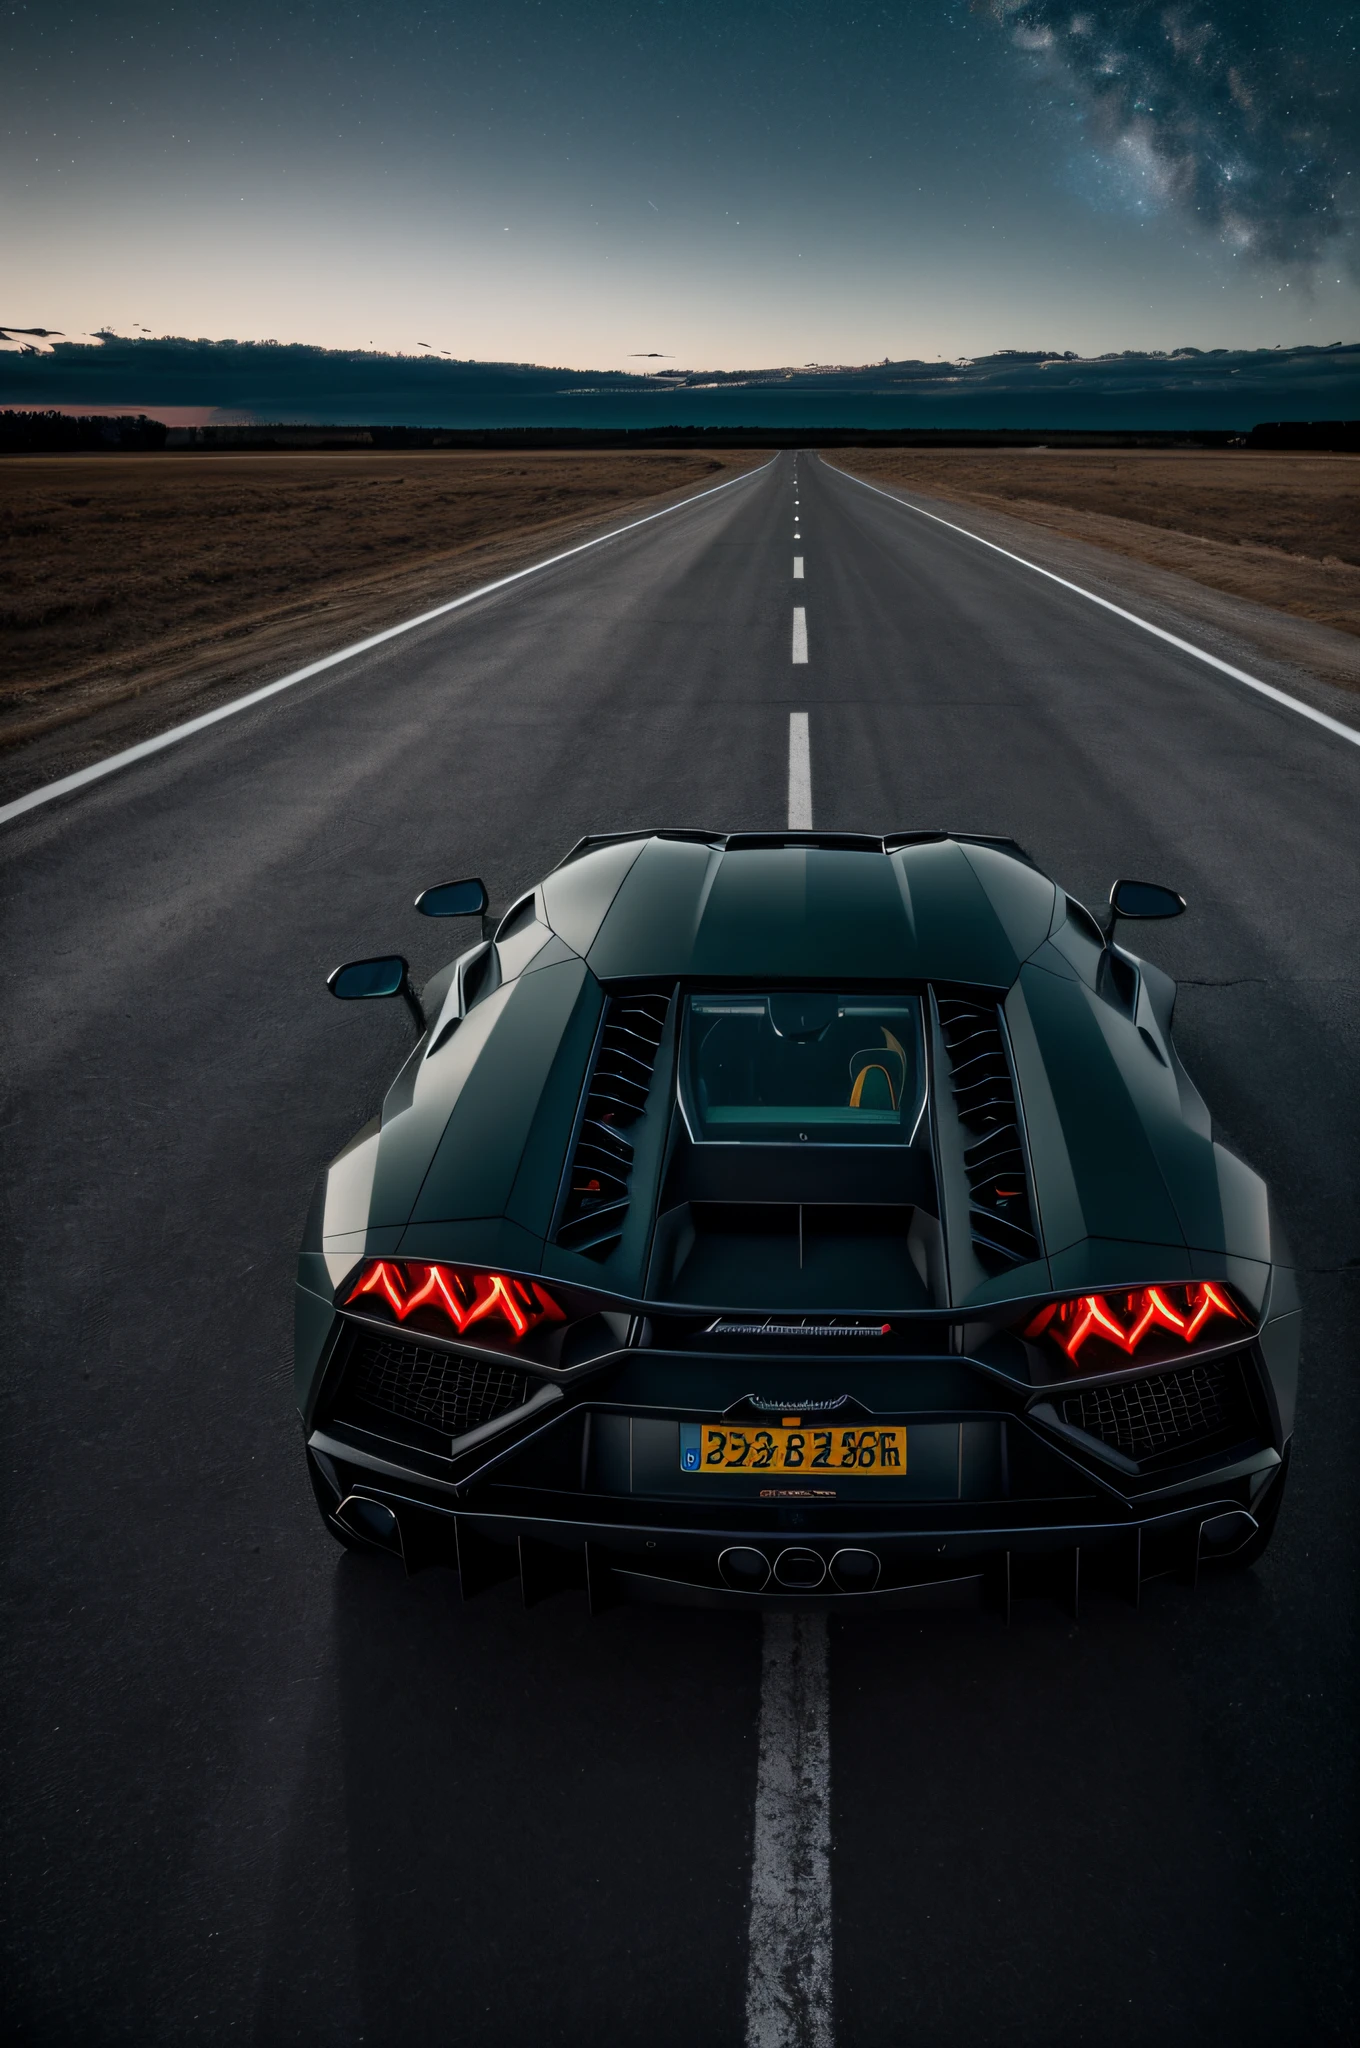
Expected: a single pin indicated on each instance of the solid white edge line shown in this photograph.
(1239, 675)
(98, 769)
(788, 1970)
(800, 653)
(800, 773)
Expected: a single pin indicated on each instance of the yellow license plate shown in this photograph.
(851, 1452)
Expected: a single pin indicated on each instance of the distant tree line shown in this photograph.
(48, 433)
(1333, 437)
(60, 433)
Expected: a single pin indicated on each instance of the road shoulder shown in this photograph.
(179, 685)
(1315, 662)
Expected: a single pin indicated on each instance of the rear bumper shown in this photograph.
(651, 1551)
(582, 1483)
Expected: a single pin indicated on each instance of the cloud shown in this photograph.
(195, 382)
(39, 341)
(1206, 110)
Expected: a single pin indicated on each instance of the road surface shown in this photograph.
(259, 1790)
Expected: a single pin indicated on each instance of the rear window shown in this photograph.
(802, 1068)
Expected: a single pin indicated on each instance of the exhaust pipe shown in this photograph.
(371, 1521)
(799, 1571)
(744, 1570)
(856, 1571)
(1221, 1535)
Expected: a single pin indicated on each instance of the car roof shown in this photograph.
(801, 906)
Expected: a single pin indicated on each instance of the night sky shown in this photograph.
(726, 182)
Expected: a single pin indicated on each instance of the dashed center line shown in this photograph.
(788, 1970)
(788, 1979)
(798, 567)
(800, 773)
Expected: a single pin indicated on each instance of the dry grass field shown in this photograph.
(137, 590)
(193, 574)
(1281, 529)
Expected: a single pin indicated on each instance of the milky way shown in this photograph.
(1242, 118)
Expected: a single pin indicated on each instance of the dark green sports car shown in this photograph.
(788, 1217)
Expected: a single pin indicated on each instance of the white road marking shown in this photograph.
(788, 1969)
(800, 773)
(99, 769)
(1239, 675)
(798, 568)
(799, 633)
(788, 1972)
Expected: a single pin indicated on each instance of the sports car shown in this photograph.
(795, 1217)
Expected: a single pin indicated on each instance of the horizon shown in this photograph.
(44, 341)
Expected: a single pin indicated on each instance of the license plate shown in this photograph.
(726, 1447)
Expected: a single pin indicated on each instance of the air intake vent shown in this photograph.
(999, 1210)
(1169, 1411)
(597, 1186)
(433, 1388)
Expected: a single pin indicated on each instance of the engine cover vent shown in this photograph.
(999, 1214)
(596, 1201)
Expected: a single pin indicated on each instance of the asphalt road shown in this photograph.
(259, 1790)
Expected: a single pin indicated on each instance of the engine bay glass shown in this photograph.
(802, 1067)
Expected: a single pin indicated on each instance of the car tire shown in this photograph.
(1267, 1513)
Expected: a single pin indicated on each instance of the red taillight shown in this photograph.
(462, 1297)
(1125, 1319)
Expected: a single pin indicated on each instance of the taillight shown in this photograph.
(459, 1296)
(1130, 1319)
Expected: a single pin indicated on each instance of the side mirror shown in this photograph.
(454, 899)
(1143, 899)
(361, 981)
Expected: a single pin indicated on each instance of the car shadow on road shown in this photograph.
(516, 1827)
(1051, 1852)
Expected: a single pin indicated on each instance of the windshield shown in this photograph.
(802, 1067)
